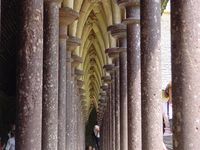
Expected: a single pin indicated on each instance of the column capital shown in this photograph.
(104, 87)
(128, 3)
(52, 1)
(76, 60)
(82, 97)
(80, 83)
(67, 16)
(81, 90)
(109, 68)
(114, 52)
(117, 30)
(106, 79)
(73, 42)
(83, 103)
(132, 15)
(69, 60)
(103, 94)
(78, 72)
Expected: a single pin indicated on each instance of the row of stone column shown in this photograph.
(141, 114)
(46, 88)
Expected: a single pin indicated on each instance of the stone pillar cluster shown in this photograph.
(46, 78)
(143, 78)
(50, 87)
(139, 78)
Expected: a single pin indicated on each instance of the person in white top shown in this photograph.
(97, 135)
(11, 141)
(96, 131)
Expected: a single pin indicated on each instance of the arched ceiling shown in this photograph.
(91, 28)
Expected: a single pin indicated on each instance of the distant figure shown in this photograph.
(11, 141)
(97, 135)
(168, 93)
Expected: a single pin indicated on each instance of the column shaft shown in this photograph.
(50, 77)
(185, 74)
(62, 88)
(75, 116)
(73, 95)
(112, 109)
(69, 111)
(109, 127)
(123, 97)
(29, 78)
(151, 75)
(134, 80)
(117, 106)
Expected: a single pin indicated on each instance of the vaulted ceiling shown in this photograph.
(91, 28)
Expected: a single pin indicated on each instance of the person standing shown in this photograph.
(97, 135)
(168, 93)
(11, 141)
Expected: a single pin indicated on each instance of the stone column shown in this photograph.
(109, 125)
(118, 31)
(151, 75)
(109, 128)
(62, 80)
(29, 77)
(103, 113)
(185, 32)
(72, 43)
(112, 111)
(110, 69)
(75, 115)
(117, 105)
(76, 61)
(133, 73)
(67, 16)
(123, 96)
(115, 119)
(68, 101)
(50, 76)
(78, 103)
(104, 133)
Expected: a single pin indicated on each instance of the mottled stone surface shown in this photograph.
(119, 32)
(69, 118)
(123, 97)
(29, 77)
(73, 115)
(112, 111)
(186, 74)
(50, 77)
(134, 79)
(76, 112)
(117, 106)
(151, 75)
(62, 84)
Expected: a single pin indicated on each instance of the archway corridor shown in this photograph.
(67, 66)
